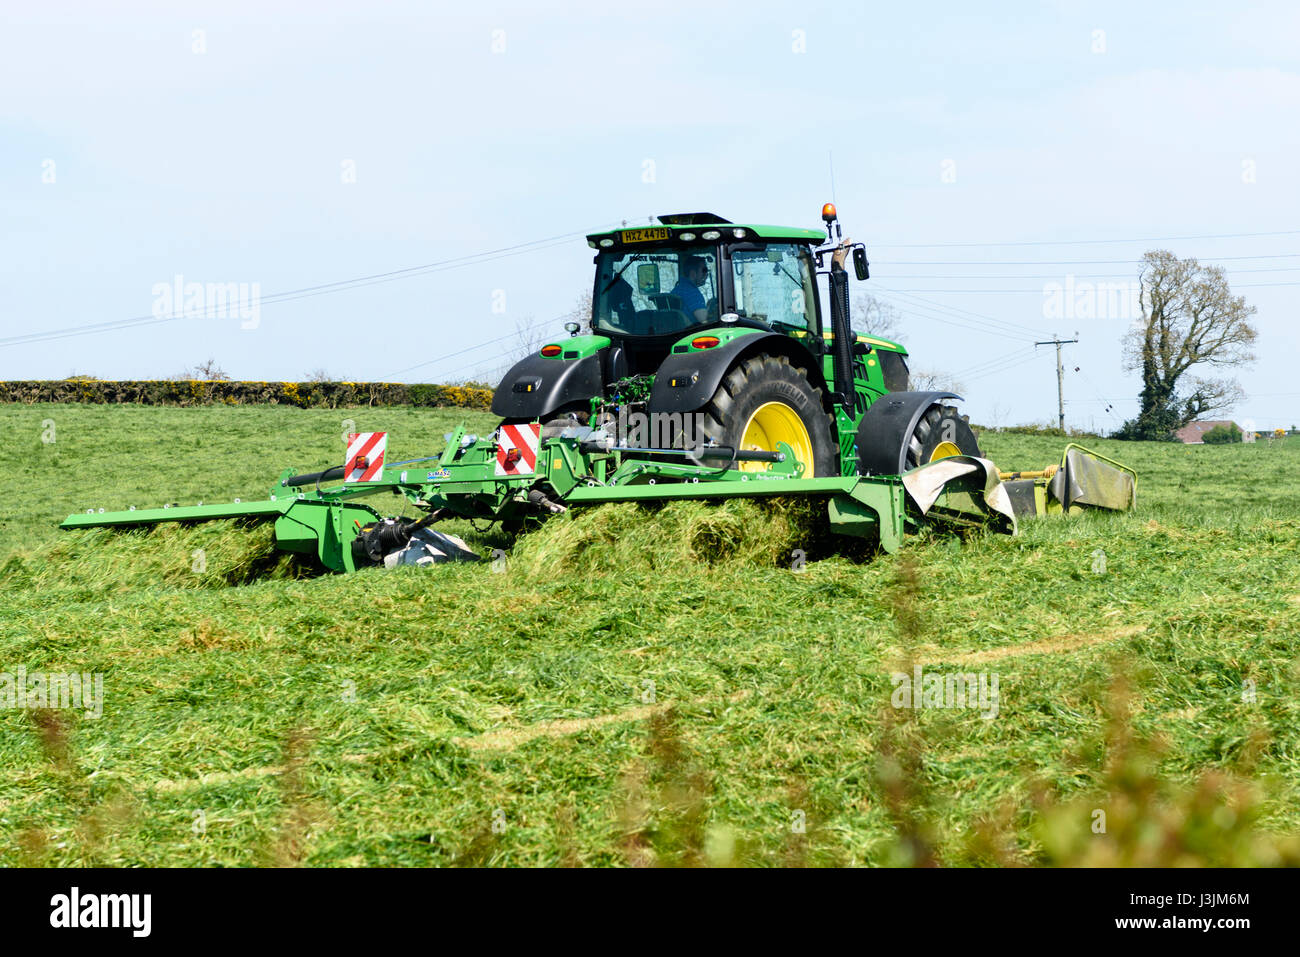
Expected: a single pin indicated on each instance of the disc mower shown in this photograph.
(710, 368)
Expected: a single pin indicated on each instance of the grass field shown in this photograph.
(640, 686)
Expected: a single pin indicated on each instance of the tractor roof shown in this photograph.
(693, 222)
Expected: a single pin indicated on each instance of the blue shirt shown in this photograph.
(690, 295)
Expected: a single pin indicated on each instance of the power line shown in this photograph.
(1008, 361)
(1012, 328)
(967, 312)
(980, 366)
(480, 345)
(1058, 262)
(1110, 407)
(273, 299)
(910, 311)
(1082, 242)
(1094, 275)
(1241, 285)
(304, 292)
(1005, 368)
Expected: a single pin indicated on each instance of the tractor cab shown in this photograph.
(699, 272)
(700, 320)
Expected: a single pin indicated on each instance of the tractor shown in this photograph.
(709, 370)
(701, 321)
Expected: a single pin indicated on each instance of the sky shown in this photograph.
(459, 152)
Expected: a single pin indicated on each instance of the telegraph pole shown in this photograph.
(1060, 375)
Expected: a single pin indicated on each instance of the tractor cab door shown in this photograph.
(774, 284)
(647, 299)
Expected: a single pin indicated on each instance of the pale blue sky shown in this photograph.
(226, 166)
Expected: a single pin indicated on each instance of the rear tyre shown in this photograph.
(939, 434)
(764, 400)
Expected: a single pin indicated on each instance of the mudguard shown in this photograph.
(536, 386)
(885, 427)
(687, 380)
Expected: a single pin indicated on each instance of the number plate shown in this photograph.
(645, 235)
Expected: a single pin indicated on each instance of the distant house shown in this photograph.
(1193, 432)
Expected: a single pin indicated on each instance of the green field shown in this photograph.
(640, 686)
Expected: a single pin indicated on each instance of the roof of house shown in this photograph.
(1192, 432)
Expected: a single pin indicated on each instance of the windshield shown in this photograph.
(657, 291)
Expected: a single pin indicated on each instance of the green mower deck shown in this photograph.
(959, 492)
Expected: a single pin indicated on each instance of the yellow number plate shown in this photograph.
(644, 235)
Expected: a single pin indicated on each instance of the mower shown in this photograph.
(708, 370)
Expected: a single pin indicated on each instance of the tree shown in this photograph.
(873, 317)
(207, 371)
(1190, 318)
(581, 311)
(933, 380)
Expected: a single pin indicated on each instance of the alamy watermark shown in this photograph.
(130, 911)
(212, 300)
(40, 689)
(953, 690)
(660, 430)
(1080, 299)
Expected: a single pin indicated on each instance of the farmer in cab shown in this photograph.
(694, 273)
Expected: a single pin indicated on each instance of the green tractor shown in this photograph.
(717, 333)
(710, 372)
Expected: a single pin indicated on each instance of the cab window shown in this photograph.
(658, 291)
(774, 284)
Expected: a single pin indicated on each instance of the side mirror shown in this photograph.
(860, 262)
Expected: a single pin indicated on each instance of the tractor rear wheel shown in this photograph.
(939, 434)
(764, 400)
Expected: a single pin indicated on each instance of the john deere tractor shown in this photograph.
(715, 335)
(701, 320)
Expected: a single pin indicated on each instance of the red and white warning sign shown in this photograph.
(365, 461)
(517, 449)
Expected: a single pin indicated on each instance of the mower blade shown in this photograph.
(961, 490)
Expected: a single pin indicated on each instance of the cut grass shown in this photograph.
(639, 685)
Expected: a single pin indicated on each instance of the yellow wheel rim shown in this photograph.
(944, 450)
(771, 423)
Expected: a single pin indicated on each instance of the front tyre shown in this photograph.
(939, 434)
(765, 400)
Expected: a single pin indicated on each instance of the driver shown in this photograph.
(694, 273)
(620, 302)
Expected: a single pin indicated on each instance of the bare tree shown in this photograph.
(874, 317)
(320, 375)
(581, 311)
(207, 371)
(933, 380)
(1190, 320)
(529, 337)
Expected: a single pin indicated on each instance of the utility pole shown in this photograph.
(1060, 375)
